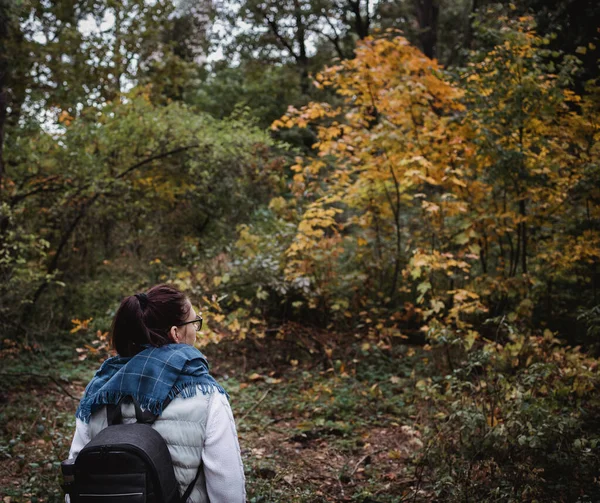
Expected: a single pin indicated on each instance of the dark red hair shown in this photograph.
(147, 319)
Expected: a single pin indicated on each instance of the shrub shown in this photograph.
(520, 424)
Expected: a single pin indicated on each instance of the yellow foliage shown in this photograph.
(80, 325)
(466, 189)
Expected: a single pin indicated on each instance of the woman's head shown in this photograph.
(158, 317)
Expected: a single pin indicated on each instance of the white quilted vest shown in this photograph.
(183, 426)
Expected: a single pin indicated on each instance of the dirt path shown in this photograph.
(331, 465)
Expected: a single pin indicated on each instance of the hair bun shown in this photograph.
(142, 299)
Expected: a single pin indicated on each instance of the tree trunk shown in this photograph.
(469, 27)
(362, 25)
(4, 20)
(427, 16)
(2, 122)
(523, 211)
(302, 59)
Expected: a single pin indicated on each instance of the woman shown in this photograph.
(153, 334)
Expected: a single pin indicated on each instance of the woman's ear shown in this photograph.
(174, 333)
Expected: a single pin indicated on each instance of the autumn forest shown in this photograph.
(387, 212)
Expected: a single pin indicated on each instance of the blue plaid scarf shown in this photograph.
(151, 377)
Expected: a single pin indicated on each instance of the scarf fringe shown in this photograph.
(184, 390)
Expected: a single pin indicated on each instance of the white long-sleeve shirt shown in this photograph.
(202, 425)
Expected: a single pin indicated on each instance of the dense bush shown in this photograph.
(515, 422)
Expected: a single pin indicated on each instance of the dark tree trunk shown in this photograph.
(362, 25)
(469, 28)
(302, 58)
(4, 20)
(427, 16)
(523, 211)
(2, 123)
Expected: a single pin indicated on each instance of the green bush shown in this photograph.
(519, 424)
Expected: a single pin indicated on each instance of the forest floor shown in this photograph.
(330, 429)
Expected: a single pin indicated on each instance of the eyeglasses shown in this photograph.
(197, 323)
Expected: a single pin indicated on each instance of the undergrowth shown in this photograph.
(365, 422)
(304, 426)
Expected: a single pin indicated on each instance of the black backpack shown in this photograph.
(124, 463)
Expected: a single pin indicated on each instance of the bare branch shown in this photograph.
(275, 29)
(43, 376)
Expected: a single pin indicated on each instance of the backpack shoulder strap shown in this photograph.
(190, 488)
(114, 415)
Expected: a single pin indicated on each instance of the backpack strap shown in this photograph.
(115, 416)
(113, 413)
(190, 488)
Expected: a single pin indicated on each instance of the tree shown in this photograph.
(5, 26)
(295, 31)
(377, 151)
(472, 189)
(133, 163)
(79, 148)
